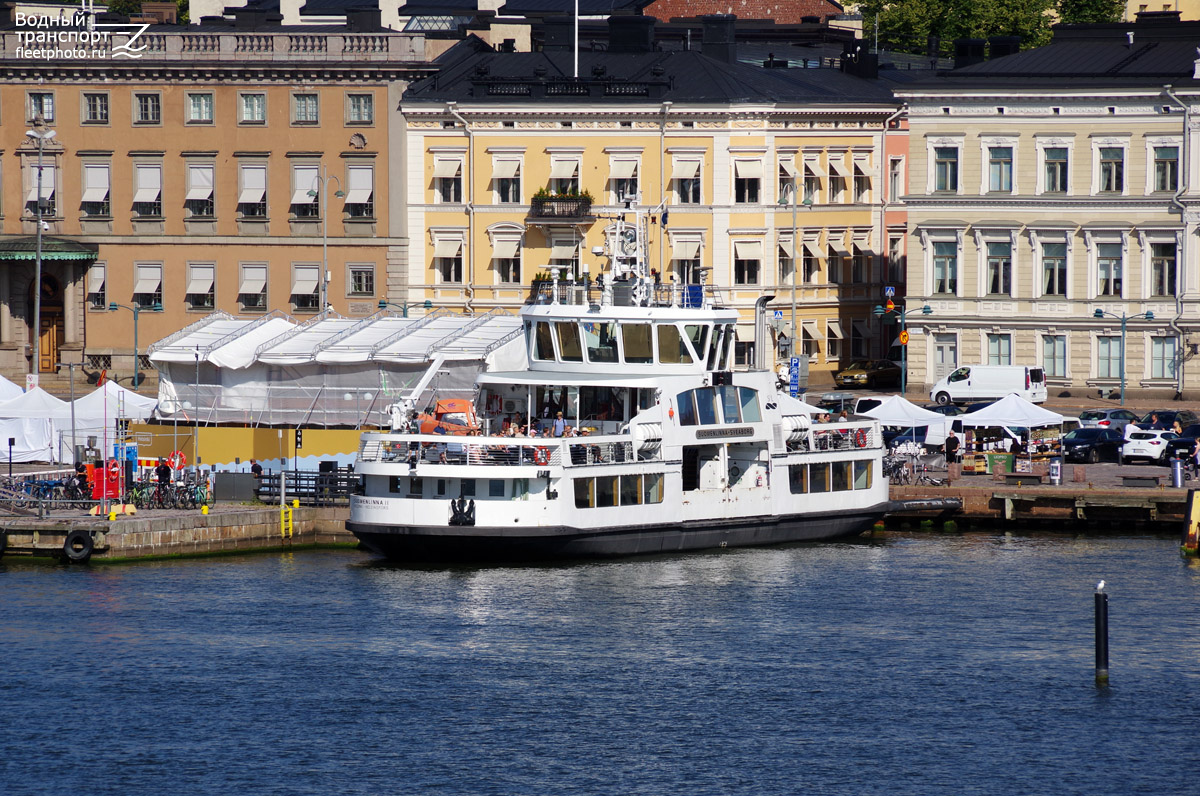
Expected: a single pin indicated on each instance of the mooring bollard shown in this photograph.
(1101, 635)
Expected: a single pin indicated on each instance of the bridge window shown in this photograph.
(568, 342)
(672, 350)
(749, 399)
(601, 341)
(699, 336)
(543, 342)
(636, 339)
(687, 409)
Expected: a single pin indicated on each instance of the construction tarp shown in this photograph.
(1014, 411)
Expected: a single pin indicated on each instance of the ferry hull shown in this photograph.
(429, 543)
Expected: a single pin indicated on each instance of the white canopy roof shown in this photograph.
(8, 390)
(35, 403)
(896, 410)
(106, 402)
(224, 341)
(1012, 410)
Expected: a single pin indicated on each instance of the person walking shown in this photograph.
(560, 425)
(951, 447)
(255, 469)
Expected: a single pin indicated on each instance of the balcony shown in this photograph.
(567, 210)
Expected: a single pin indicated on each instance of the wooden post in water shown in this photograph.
(1101, 635)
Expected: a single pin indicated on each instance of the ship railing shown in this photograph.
(597, 451)
(820, 437)
(415, 449)
(623, 294)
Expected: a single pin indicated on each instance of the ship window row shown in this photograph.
(607, 491)
(476, 488)
(708, 406)
(830, 476)
(633, 343)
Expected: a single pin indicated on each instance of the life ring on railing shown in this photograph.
(176, 460)
(113, 469)
(860, 438)
(541, 455)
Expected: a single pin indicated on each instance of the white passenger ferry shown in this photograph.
(681, 452)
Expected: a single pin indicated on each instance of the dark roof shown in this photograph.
(587, 8)
(52, 249)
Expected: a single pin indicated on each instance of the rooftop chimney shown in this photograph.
(857, 61)
(719, 41)
(1000, 46)
(968, 52)
(364, 18)
(628, 34)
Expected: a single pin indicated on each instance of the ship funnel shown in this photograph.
(761, 338)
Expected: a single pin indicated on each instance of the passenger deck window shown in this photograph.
(631, 490)
(543, 348)
(652, 484)
(606, 491)
(636, 339)
(672, 350)
(818, 477)
(584, 497)
(496, 488)
(601, 341)
(862, 475)
(568, 342)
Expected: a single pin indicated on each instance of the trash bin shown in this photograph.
(1177, 473)
(1056, 472)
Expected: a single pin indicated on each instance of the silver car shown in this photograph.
(1106, 418)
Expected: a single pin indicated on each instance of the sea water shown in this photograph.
(907, 665)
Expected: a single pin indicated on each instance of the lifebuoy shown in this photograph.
(860, 438)
(176, 460)
(541, 455)
(114, 469)
(78, 546)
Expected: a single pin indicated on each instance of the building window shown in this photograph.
(858, 341)
(945, 267)
(788, 180)
(147, 197)
(1108, 357)
(860, 264)
(201, 291)
(448, 260)
(252, 200)
(96, 184)
(147, 108)
(305, 109)
(1162, 357)
(306, 187)
(360, 108)
(447, 180)
(252, 286)
(95, 109)
(41, 104)
(837, 189)
(999, 268)
(999, 349)
(1000, 165)
(508, 269)
(41, 191)
(1108, 267)
(252, 108)
(199, 202)
(895, 179)
(945, 168)
(787, 262)
(200, 108)
(1056, 169)
(362, 280)
(506, 180)
(1112, 169)
(1054, 269)
(810, 260)
(897, 262)
(745, 271)
(747, 181)
(833, 264)
(306, 281)
(564, 177)
(97, 298)
(1054, 355)
(360, 193)
(686, 174)
(862, 184)
(1162, 269)
(147, 287)
(623, 181)
(1166, 168)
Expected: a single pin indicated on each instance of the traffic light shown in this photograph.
(299, 438)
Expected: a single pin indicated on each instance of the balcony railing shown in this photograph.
(564, 208)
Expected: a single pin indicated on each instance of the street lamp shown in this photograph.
(1148, 315)
(323, 181)
(426, 304)
(136, 309)
(902, 316)
(41, 135)
(807, 202)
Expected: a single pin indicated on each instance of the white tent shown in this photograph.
(896, 410)
(1012, 410)
(28, 420)
(35, 403)
(104, 404)
(8, 390)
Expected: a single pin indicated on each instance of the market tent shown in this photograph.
(105, 404)
(1012, 410)
(28, 420)
(36, 403)
(896, 410)
(8, 390)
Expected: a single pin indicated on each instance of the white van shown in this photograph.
(989, 383)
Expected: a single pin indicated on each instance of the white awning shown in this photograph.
(149, 185)
(360, 181)
(563, 249)
(834, 328)
(747, 249)
(685, 249)
(505, 169)
(622, 169)
(254, 279)
(788, 168)
(200, 183)
(811, 330)
(814, 248)
(304, 279)
(95, 183)
(813, 167)
(788, 249)
(47, 183)
(563, 169)
(149, 277)
(838, 167)
(446, 168)
(748, 169)
(200, 279)
(505, 248)
(254, 185)
(305, 179)
(447, 247)
(96, 279)
(685, 169)
(838, 244)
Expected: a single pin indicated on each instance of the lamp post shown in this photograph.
(71, 381)
(1148, 315)
(783, 200)
(323, 181)
(426, 304)
(41, 135)
(902, 317)
(136, 309)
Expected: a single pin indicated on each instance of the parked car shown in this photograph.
(990, 382)
(1181, 446)
(1092, 445)
(1146, 443)
(949, 410)
(869, 373)
(1165, 418)
(1106, 418)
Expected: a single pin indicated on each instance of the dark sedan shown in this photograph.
(869, 373)
(1181, 447)
(1164, 418)
(1092, 445)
